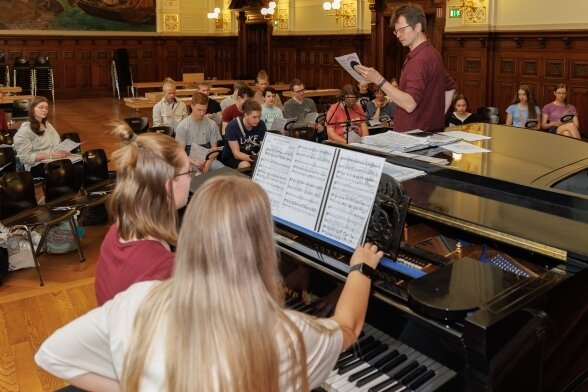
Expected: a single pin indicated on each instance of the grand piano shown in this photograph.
(487, 290)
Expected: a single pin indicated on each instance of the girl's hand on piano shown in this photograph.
(366, 253)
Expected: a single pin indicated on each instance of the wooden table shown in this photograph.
(184, 92)
(9, 89)
(329, 92)
(228, 82)
(12, 98)
(143, 103)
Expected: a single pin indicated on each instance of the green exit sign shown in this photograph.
(454, 13)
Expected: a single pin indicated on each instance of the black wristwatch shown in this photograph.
(363, 268)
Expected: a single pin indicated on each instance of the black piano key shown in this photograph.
(405, 370)
(384, 384)
(423, 378)
(350, 353)
(357, 375)
(365, 350)
(410, 377)
(368, 379)
(375, 352)
(387, 358)
(347, 368)
(393, 363)
(395, 388)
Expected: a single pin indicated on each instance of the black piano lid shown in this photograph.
(508, 191)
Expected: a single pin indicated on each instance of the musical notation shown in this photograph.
(318, 187)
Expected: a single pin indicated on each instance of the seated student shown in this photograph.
(381, 106)
(220, 323)
(519, 114)
(337, 118)
(228, 101)
(200, 130)
(37, 140)
(243, 137)
(169, 111)
(552, 114)
(268, 110)
(460, 115)
(152, 182)
(213, 110)
(299, 106)
(235, 110)
(262, 82)
(365, 94)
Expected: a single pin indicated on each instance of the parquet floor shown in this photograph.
(28, 312)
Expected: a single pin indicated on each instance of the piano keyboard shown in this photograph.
(377, 363)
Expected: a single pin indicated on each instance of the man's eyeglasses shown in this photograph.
(401, 30)
(193, 171)
(298, 91)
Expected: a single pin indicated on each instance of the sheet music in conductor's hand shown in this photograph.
(321, 188)
(349, 62)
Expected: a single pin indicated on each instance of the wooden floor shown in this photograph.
(28, 312)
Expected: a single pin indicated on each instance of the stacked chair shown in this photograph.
(23, 75)
(43, 77)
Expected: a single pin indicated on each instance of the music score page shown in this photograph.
(321, 188)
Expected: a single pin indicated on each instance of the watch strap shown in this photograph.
(364, 268)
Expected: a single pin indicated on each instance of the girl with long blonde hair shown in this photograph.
(219, 324)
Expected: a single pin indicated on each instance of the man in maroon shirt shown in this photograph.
(426, 90)
(236, 110)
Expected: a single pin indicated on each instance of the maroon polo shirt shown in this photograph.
(425, 79)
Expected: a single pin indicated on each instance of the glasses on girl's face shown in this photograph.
(193, 171)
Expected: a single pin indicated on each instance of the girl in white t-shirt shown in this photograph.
(219, 324)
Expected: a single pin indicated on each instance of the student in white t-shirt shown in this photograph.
(219, 324)
(268, 110)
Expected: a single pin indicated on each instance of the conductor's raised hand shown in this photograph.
(370, 74)
(367, 253)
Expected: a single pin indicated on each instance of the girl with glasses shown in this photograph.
(152, 183)
(346, 115)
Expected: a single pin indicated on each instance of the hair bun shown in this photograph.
(124, 132)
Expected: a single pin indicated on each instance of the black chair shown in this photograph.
(23, 74)
(20, 109)
(19, 210)
(305, 133)
(43, 76)
(7, 160)
(6, 139)
(162, 129)
(97, 178)
(4, 71)
(138, 124)
(74, 137)
(62, 190)
(488, 114)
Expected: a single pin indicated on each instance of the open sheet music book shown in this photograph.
(321, 188)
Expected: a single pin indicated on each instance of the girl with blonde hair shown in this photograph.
(219, 324)
(153, 179)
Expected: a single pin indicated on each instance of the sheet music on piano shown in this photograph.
(324, 189)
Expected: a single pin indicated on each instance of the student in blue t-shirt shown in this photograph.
(243, 137)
